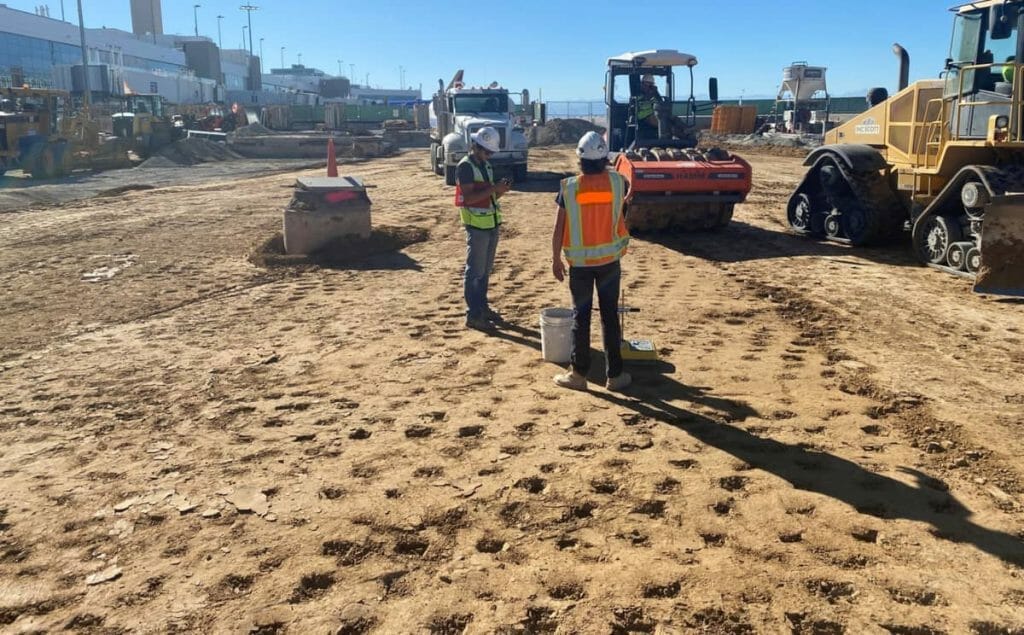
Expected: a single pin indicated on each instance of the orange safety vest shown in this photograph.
(595, 226)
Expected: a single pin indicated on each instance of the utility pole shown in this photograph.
(367, 80)
(248, 8)
(339, 68)
(243, 36)
(261, 56)
(62, 11)
(282, 57)
(195, 17)
(220, 42)
(300, 59)
(86, 96)
(351, 72)
(401, 78)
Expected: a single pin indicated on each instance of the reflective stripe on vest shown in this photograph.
(595, 229)
(478, 217)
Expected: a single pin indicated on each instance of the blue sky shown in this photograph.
(561, 47)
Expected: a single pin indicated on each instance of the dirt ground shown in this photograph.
(191, 443)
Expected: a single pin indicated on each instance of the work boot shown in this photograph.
(479, 324)
(572, 380)
(493, 316)
(619, 382)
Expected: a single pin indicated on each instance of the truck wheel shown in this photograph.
(449, 175)
(434, 166)
(519, 173)
(44, 166)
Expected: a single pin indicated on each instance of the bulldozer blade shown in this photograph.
(1002, 247)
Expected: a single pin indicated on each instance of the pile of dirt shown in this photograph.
(190, 151)
(561, 131)
(252, 130)
(341, 253)
(788, 145)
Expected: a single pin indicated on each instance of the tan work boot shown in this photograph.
(572, 380)
(619, 382)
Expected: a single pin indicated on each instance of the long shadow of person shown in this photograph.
(813, 470)
(654, 396)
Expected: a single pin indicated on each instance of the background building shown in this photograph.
(147, 18)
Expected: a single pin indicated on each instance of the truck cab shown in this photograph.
(460, 111)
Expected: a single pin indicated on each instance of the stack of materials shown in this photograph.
(734, 120)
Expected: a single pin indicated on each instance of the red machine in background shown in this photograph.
(674, 184)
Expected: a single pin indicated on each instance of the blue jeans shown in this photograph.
(481, 246)
(582, 280)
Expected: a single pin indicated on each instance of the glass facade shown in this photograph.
(131, 61)
(34, 58)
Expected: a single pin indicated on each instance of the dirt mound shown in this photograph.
(252, 130)
(190, 151)
(561, 131)
(342, 253)
(785, 145)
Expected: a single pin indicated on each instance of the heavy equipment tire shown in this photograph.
(956, 255)
(877, 95)
(519, 173)
(973, 260)
(832, 226)
(44, 166)
(724, 216)
(803, 218)
(434, 167)
(449, 175)
(939, 232)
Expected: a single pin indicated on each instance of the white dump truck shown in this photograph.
(460, 111)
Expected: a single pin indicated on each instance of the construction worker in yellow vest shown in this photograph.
(476, 197)
(591, 231)
(647, 119)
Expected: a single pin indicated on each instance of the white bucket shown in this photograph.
(556, 334)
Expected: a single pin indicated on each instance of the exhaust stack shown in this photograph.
(901, 53)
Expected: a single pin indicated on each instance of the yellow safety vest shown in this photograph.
(595, 228)
(644, 109)
(478, 217)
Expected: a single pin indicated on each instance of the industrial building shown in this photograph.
(46, 52)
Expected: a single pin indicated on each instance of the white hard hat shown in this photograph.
(647, 79)
(487, 138)
(592, 146)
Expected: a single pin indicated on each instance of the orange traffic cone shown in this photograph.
(332, 159)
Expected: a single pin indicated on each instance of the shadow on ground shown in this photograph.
(741, 242)
(655, 395)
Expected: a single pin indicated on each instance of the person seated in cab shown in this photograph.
(647, 117)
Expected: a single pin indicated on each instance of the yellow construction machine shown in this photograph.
(29, 135)
(942, 158)
(41, 135)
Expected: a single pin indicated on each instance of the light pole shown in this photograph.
(86, 96)
(401, 78)
(351, 71)
(195, 17)
(367, 80)
(220, 42)
(243, 36)
(248, 8)
(339, 68)
(261, 56)
(300, 59)
(282, 57)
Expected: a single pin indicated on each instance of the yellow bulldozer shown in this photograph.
(942, 158)
(41, 135)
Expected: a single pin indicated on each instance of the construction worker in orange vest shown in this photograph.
(591, 231)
